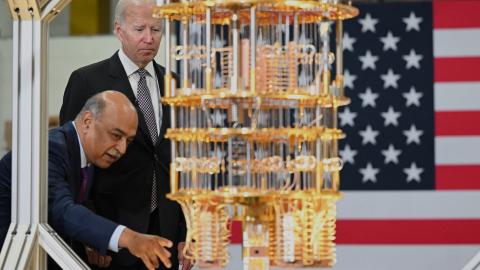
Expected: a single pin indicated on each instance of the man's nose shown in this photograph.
(148, 36)
(122, 146)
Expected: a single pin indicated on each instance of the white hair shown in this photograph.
(122, 6)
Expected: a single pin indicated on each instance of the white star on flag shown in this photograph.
(369, 173)
(412, 59)
(390, 79)
(413, 135)
(391, 116)
(413, 173)
(368, 23)
(218, 118)
(348, 154)
(348, 79)
(391, 154)
(368, 60)
(369, 135)
(348, 42)
(390, 41)
(412, 97)
(347, 117)
(412, 22)
(368, 98)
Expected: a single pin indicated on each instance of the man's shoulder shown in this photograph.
(161, 71)
(95, 68)
(61, 144)
(63, 135)
(57, 136)
(160, 67)
(5, 171)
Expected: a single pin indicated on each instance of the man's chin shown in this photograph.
(104, 164)
(148, 56)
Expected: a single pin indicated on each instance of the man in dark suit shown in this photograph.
(99, 135)
(132, 191)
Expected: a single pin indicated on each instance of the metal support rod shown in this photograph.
(58, 249)
(208, 69)
(208, 28)
(236, 51)
(253, 46)
(185, 24)
(295, 41)
(167, 46)
(339, 56)
(326, 73)
(168, 80)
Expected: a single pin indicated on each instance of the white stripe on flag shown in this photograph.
(419, 257)
(457, 150)
(456, 42)
(408, 205)
(382, 257)
(457, 96)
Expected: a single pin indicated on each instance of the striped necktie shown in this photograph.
(146, 106)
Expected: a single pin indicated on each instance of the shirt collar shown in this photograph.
(130, 67)
(83, 157)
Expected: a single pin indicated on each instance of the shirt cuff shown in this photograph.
(113, 243)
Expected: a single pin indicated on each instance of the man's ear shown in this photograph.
(87, 120)
(117, 30)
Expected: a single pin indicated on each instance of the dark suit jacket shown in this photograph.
(72, 221)
(123, 192)
(5, 195)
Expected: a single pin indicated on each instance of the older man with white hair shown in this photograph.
(132, 191)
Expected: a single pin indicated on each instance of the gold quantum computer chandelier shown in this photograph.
(254, 132)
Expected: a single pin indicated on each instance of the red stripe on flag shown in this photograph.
(430, 231)
(456, 14)
(451, 177)
(456, 69)
(236, 230)
(457, 123)
(457, 231)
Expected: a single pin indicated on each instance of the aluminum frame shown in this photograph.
(29, 237)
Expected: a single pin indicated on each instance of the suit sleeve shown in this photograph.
(76, 94)
(68, 218)
(5, 195)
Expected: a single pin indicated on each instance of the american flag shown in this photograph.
(412, 168)
(412, 152)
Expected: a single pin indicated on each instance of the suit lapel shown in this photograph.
(73, 148)
(165, 109)
(120, 83)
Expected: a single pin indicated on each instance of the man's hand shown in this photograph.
(95, 258)
(186, 263)
(149, 248)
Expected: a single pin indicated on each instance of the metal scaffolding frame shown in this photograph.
(29, 237)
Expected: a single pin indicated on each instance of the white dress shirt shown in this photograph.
(152, 83)
(113, 243)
